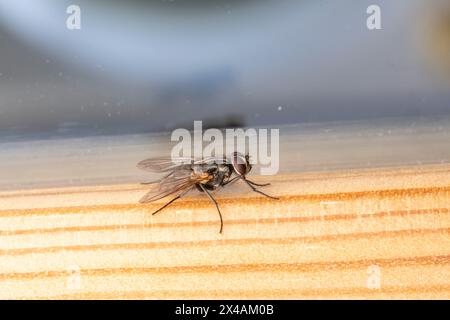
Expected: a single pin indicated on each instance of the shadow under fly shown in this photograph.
(206, 175)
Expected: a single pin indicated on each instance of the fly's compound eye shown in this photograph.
(240, 169)
(240, 164)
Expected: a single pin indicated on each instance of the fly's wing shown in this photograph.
(166, 164)
(163, 164)
(175, 183)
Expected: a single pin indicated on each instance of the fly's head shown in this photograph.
(241, 164)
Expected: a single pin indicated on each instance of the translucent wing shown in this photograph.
(165, 164)
(175, 183)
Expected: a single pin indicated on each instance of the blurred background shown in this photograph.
(151, 66)
(81, 107)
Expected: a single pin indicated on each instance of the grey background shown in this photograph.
(150, 66)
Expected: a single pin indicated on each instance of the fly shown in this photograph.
(206, 175)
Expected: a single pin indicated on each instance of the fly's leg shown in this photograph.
(171, 201)
(257, 184)
(256, 190)
(251, 182)
(215, 202)
(231, 181)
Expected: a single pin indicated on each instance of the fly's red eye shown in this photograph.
(241, 169)
(239, 164)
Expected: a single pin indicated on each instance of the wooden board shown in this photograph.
(366, 233)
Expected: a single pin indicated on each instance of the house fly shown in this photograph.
(205, 175)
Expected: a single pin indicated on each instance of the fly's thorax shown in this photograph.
(219, 174)
(198, 169)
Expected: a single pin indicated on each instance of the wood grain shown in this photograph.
(373, 233)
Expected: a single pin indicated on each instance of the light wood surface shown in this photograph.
(366, 233)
